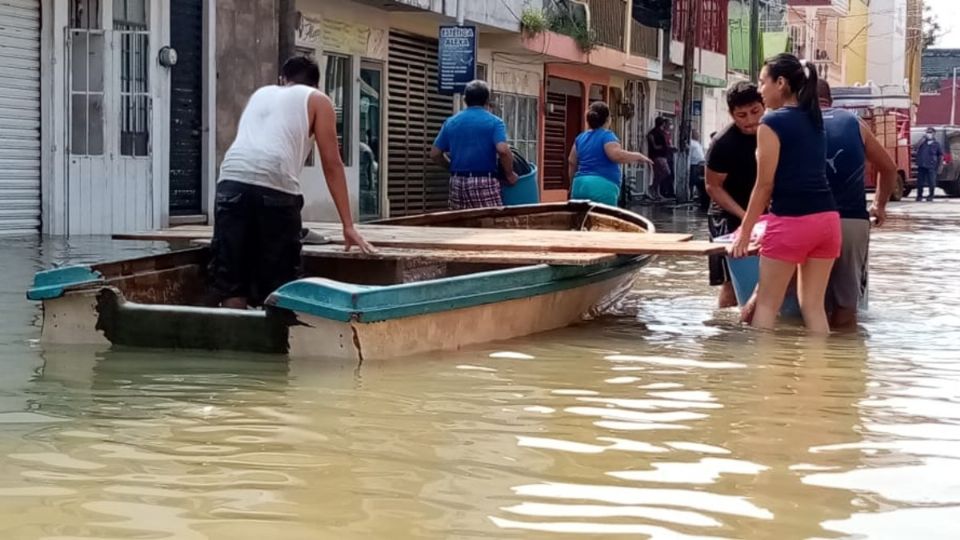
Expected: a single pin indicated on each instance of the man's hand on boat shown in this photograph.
(352, 237)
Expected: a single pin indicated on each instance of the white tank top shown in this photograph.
(273, 139)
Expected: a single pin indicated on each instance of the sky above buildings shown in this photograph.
(946, 12)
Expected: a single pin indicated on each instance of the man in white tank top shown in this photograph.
(256, 236)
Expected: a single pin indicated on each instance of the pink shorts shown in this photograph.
(796, 239)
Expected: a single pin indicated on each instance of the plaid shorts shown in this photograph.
(474, 192)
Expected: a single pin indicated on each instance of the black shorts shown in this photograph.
(256, 241)
(720, 225)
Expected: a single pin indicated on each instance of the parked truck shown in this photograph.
(886, 112)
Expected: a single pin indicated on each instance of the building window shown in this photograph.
(87, 50)
(130, 23)
(338, 84)
(85, 14)
(711, 24)
(520, 114)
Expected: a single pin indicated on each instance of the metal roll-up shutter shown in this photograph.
(19, 116)
(415, 114)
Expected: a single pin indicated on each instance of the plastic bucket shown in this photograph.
(525, 191)
(745, 273)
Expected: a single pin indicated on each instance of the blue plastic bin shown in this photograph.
(525, 191)
(745, 272)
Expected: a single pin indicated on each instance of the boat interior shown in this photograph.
(180, 277)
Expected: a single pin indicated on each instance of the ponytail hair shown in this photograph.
(801, 77)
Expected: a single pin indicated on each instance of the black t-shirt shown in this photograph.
(735, 154)
(658, 138)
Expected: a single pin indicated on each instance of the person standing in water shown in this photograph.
(929, 163)
(803, 230)
(469, 144)
(595, 159)
(730, 177)
(850, 145)
(257, 229)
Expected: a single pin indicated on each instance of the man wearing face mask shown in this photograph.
(929, 160)
(730, 176)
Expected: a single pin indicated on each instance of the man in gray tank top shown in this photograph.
(257, 228)
(850, 145)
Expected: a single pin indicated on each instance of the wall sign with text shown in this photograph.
(458, 58)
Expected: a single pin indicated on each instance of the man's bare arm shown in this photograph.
(506, 161)
(439, 157)
(720, 196)
(878, 157)
(325, 132)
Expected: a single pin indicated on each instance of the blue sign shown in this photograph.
(458, 58)
(697, 108)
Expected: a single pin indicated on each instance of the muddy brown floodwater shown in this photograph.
(662, 420)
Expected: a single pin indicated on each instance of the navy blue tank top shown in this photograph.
(800, 184)
(846, 163)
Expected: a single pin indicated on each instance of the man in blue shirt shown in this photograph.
(929, 160)
(468, 145)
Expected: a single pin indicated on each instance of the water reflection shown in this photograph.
(665, 420)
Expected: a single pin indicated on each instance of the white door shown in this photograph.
(110, 141)
(19, 116)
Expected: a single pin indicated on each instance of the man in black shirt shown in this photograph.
(731, 174)
(658, 149)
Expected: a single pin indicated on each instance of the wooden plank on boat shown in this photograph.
(458, 237)
(520, 258)
(527, 240)
(475, 240)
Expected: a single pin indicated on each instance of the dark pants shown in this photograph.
(698, 187)
(926, 178)
(720, 225)
(256, 241)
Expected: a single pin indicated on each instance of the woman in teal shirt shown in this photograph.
(596, 157)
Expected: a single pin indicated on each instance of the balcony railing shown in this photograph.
(607, 19)
(644, 41)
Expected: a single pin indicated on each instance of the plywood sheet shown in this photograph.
(505, 240)
(336, 251)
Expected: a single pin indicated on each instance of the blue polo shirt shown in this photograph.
(471, 137)
(592, 158)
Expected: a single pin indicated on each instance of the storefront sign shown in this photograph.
(337, 36)
(458, 58)
(707, 80)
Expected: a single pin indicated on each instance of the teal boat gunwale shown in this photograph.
(344, 302)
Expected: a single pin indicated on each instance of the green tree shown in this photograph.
(932, 31)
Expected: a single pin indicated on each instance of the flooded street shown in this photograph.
(664, 420)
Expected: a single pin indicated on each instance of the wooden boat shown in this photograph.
(393, 303)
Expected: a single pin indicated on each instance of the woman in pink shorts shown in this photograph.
(803, 228)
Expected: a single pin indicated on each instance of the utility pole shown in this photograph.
(953, 100)
(754, 40)
(681, 177)
(288, 20)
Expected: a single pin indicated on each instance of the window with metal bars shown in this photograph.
(711, 24)
(520, 114)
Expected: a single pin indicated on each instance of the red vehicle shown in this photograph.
(887, 114)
